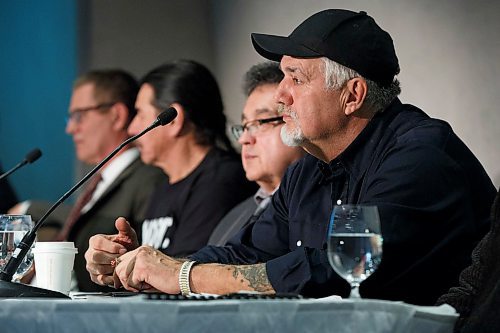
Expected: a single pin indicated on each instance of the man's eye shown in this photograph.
(296, 81)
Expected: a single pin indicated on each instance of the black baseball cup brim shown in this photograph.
(275, 47)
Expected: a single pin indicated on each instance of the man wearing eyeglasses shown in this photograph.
(265, 157)
(100, 111)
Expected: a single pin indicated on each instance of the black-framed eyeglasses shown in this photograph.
(253, 126)
(76, 115)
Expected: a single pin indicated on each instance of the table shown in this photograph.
(136, 314)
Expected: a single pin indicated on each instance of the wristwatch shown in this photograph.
(184, 277)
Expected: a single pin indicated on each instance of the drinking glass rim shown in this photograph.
(332, 215)
(5, 219)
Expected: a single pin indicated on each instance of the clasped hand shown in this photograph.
(118, 260)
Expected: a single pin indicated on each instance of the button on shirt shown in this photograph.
(433, 197)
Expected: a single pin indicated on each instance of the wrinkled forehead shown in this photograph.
(303, 66)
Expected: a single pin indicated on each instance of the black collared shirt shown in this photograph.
(433, 197)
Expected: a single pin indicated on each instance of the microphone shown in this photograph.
(11, 289)
(31, 157)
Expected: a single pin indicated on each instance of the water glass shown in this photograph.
(12, 230)
(354, 243)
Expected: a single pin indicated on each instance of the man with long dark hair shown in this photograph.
(205, 175)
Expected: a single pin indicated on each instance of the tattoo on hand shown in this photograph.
(255, 275)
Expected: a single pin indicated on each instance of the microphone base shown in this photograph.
(14, 290)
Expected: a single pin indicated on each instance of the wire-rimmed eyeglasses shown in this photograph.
(253, 126)
(76, 115)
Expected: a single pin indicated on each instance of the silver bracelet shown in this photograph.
(184, 277)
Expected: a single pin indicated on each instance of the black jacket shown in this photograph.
(477, 297)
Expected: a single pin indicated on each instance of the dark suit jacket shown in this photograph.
(7, 196)
(233, 222)
(127, 196)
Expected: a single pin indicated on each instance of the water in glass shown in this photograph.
(12, 230)
(355, 243)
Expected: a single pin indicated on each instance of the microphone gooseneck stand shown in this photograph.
(31, 157)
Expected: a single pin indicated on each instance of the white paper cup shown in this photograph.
(54, 263)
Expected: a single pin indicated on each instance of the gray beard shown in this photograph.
(294, 139)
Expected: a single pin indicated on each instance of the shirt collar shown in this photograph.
(110, 173)
(118, 164)
(261, 195)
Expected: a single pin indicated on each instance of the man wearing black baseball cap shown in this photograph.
(351, 39)
(339, 101)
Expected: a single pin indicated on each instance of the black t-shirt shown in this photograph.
(181, 216)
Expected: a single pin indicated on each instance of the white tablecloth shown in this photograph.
(136, 314)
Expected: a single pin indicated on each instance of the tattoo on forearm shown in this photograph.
(254, 275)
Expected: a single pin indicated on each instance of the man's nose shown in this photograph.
(282, 94)
(246, 137)
(70, 126)
(131, 130)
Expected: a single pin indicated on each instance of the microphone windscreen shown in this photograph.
(167, 116)
(33, 155)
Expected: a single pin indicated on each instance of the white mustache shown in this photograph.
(282, 109)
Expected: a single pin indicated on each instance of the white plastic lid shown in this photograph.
(55, 247)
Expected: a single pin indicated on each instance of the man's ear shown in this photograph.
(356, 90)
(177, 125)
(120, 116)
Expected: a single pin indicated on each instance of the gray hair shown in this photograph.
(268, 72)
(337, 75)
